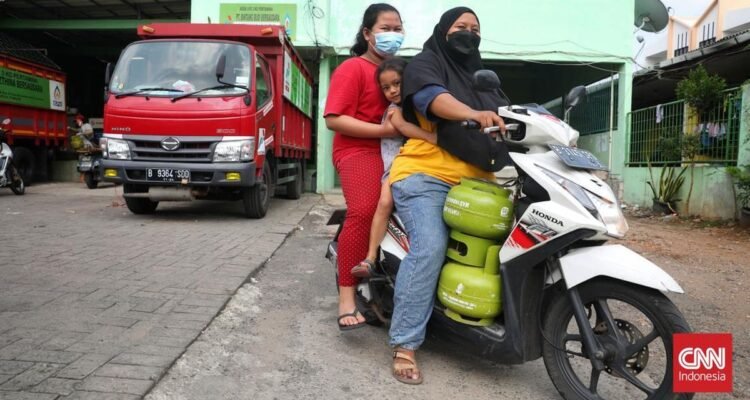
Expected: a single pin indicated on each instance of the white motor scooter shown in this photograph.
(596, 313)
(9, 175)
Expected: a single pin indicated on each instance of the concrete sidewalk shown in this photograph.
(97, 303)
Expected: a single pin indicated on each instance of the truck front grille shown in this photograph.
(197, 150)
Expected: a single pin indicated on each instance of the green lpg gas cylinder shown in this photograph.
(472, 295)
(479, 208)
(466, 249)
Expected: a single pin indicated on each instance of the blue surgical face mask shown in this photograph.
(388, 43)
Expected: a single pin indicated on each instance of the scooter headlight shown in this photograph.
(611, 215)
(576, 191)
(608, 212)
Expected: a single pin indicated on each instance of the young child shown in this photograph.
(388, 75)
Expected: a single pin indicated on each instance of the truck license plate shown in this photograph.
(167, 174)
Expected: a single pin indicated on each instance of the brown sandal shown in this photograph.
(403, 362)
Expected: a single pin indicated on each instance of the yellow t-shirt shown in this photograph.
(418, 156)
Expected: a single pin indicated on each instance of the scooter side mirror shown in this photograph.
(485, 80)
(575, 97)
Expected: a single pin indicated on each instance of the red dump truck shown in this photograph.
(208, 111)
(32, 95)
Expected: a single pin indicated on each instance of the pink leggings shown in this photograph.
(360, 176)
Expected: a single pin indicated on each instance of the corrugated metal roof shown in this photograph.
(19, 49)
(97, 9)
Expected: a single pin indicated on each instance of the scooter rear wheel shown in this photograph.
(622, 316)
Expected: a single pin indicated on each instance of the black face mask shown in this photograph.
(464, 42)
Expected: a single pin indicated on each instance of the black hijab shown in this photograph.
(439, 64)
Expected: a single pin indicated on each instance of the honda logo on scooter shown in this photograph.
(547, 217)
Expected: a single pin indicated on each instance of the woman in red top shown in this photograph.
(354, 110)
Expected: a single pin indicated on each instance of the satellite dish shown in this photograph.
(650, 15)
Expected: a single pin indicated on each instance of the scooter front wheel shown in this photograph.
(16, 182)
(634, 325)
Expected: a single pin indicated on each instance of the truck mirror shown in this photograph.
(220, 66)
(107, 78)
(107, 74)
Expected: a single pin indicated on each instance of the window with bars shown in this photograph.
(682, 46)
(708, 34)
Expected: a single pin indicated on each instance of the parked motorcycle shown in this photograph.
(9, 175)
(89, 161)
(596, 313)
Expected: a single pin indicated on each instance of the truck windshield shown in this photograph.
(173, 68)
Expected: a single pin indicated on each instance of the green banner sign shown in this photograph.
(296, 87)
(255, 13)
(32, 91)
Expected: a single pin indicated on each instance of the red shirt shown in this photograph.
(354, 91)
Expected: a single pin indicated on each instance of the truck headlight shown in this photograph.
(115, 149)
(234, 151)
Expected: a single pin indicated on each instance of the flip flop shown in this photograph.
(365, 269)
(354, 314)
(403, 361)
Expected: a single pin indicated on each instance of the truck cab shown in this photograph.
(197, 118)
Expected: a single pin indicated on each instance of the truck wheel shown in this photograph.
(24, 160)
(256, 199)
(138, 205)
(294, 188)
(90, 180)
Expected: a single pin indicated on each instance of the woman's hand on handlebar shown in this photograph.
(487, 119)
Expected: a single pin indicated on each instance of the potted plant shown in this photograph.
(665, 192)
(741, 187)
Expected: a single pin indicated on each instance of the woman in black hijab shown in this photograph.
(437, 96)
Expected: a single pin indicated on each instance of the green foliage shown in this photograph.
(669, 146)
(701, 90)
(741, 178)
(669, 184)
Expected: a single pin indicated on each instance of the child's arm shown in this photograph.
(410, 130)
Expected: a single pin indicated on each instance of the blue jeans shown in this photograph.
(419, 201)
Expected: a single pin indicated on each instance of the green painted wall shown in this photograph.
(598, 144)
(531, 29)
(538, 31)
(712, 191)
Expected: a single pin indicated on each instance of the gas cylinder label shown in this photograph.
(458, 203)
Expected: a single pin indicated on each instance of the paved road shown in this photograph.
(97, 303)
(277, 339)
